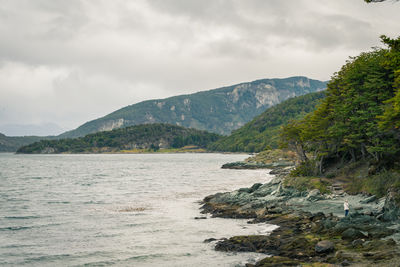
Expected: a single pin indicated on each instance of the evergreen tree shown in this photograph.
(359, 118)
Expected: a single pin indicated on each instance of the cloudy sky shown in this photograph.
(67, 62)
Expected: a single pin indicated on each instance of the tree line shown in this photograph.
(360, 116)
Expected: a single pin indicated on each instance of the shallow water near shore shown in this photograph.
(122, 210)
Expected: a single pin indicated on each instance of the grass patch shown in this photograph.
(381, 183)
(273, 155)
(305, 168)
(308, 183)
(358, 181)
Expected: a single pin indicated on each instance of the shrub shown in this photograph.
(306, 168)
(308, 183)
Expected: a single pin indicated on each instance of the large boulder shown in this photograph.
(314, 195)
(353, 234)
(251, 189)
(324, 247)
(247, 165)
(368, 200)
(391, 211)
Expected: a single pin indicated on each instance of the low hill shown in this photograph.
(12, 143)
(220, 110)
(263, 131)
(148, 136)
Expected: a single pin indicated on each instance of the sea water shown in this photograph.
(118, 209)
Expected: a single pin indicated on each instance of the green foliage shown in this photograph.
(378, 184)
(199, 139)
(381, 183)
(273, 155)
(263, 131)
(305, 168)
(390, 120)
(304, 183)
(148, 136)
(345, 126)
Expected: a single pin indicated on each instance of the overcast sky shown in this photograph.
(68, 62)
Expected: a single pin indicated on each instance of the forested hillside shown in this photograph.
(149, 136)
(220, 110)
(359, 120)
(263, 131)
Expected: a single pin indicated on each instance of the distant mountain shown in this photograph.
(262, 132)
(148, 136)
(44, 129)
(220, 110)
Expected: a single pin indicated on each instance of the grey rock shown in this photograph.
(352, 234)
(391, 211)
(324, 246)
(314, 195)
(368, 200)
(358, 242)
(328, 224)
(345, 263)
(246, 165)
(275, 180)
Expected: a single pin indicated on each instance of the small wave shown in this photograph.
(19, 228)
(45, 258)
(134, 224)
(132, 209)
(94, 202)
(15, 228)
(100, 175)
(16, 246)
(58, 202)
(145, 257)
(86, 184)
(98, 263)
(140, 258)
(23, 217)
(107, 235)
(36, 178)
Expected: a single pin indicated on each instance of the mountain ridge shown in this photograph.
(219, 110)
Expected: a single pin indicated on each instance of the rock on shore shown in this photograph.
(312, 226)
(255, 165)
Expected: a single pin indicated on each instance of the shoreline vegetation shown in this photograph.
(312, 228)
(144, 138)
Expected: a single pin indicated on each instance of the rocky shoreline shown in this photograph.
(241, 165)
(312, 228)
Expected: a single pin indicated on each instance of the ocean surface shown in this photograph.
(121, 210)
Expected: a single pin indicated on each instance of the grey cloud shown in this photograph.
(120, 52)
